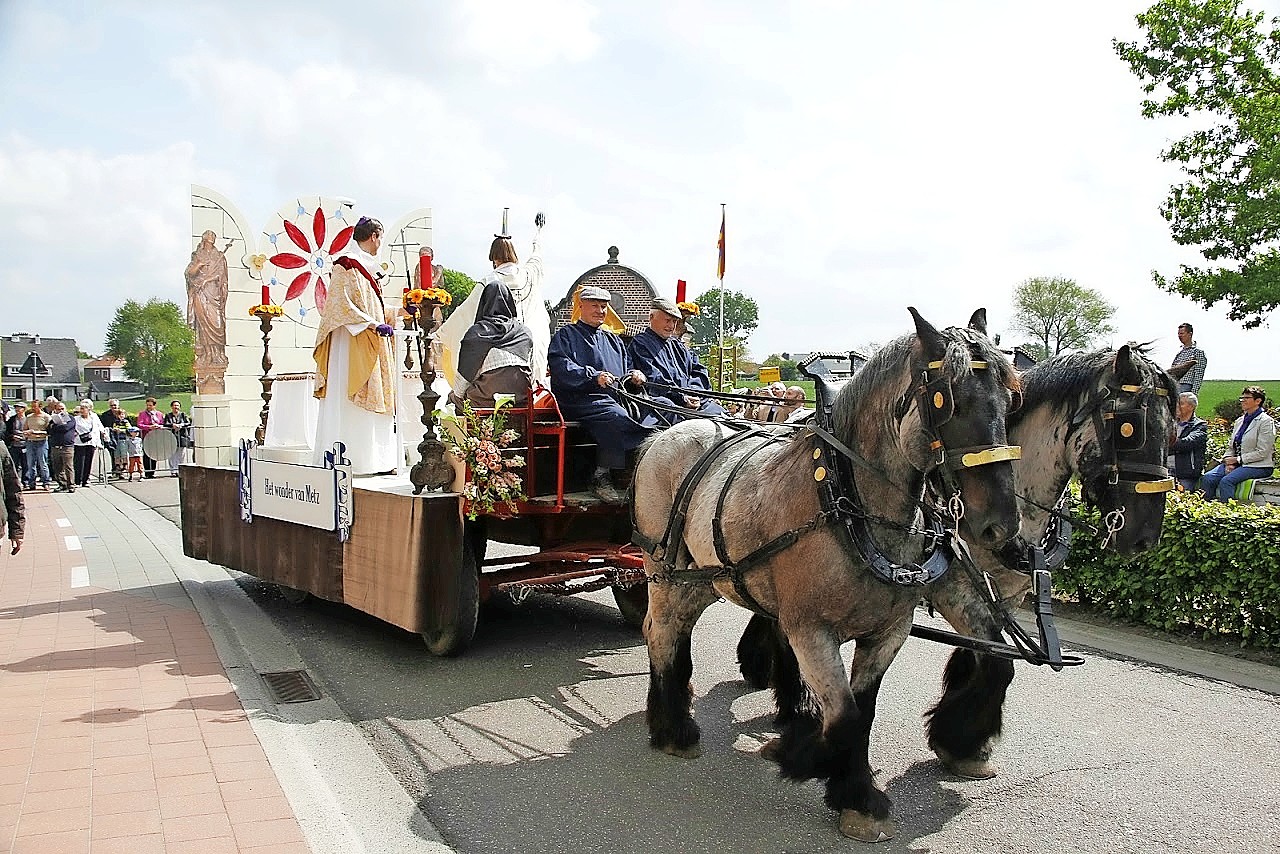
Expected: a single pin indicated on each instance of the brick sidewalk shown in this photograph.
(119, 729)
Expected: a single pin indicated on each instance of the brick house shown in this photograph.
(633, 294)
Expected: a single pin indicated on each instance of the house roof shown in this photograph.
(58, 354)
(105, 362)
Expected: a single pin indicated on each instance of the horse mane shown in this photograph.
(885, 382)
(1066, 380)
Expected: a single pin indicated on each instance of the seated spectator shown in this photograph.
(662, 358)
(796, 409)
(1187, 443)
(494, 356)
(587, 365)
(1253, 444)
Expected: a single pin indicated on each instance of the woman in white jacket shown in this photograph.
(90, 437)
(1253, 444)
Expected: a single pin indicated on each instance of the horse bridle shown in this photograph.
(1122, 429)
(935, 402)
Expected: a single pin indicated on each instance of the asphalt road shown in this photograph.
(534, 741)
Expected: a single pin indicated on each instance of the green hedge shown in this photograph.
(1216, 571)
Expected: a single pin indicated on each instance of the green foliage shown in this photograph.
(787, 368)
(741, 317)
(1060, 314)
(1228, 410)
(155, 342)
(1212, 61)
(459, 286)
(1213, 572)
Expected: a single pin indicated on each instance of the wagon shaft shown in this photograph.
(579, 568)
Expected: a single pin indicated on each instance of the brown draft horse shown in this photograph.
(756, 532)
(1103, 417)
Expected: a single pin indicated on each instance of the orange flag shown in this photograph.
(720, 264)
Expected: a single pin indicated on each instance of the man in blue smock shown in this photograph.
(586, 364)
(664, 359)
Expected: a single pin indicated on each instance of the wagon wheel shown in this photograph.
(451, 640)
(292, 595)
(633, 603)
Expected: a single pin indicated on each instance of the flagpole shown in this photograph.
(720, 271)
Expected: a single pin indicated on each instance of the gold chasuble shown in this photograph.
(353, 302)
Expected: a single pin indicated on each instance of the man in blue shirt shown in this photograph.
(665, 360)
(587, 364)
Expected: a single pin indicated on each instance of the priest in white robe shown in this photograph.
(355, 361)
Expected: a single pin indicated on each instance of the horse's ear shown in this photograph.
(1180, 371)
(930, 337)
(978, 323)
(1126, 369)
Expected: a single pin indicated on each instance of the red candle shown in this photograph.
(266, 294)
(424, 271)
(680, 289)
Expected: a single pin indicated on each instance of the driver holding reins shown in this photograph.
(587, 363)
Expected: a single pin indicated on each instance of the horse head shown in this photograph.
(1122, 429)
(955, 433)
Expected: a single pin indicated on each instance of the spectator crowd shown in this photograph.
(50, 444)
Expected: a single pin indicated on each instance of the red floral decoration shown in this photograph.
(315, 261)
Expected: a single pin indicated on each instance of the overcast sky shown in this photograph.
(872, 156)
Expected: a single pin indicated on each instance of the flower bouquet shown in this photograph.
(273, 310)
(689, 309)
(479, 442)
(413, 298)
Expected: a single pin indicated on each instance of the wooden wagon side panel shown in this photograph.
(280, 552)
(403, 560)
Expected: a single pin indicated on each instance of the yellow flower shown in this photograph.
(689, 308)
(273, 310)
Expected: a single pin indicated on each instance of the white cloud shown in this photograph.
(511, 37)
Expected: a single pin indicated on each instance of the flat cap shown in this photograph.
(667, 306)
(593, 292)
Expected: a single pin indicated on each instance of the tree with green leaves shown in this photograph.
(1214, 62)
(1060, 314)
(155, 342)
(459, 286)
(741, 317)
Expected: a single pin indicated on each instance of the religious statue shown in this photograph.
(207, 284)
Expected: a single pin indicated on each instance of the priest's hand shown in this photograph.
(604, 378)
(635, 378)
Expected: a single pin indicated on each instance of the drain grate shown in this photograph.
(290, 686)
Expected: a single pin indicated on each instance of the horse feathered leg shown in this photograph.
(967, 720)
(668, 627)
(836, 748)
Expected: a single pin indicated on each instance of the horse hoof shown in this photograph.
(864, 828)
(969, 769)
(693, 751)
(769, 750)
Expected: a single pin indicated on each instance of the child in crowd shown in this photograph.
(135, 453)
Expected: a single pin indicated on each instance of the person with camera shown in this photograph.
(180, 423)
(90, 437)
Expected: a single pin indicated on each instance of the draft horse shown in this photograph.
(829, 534)
(1103, 417)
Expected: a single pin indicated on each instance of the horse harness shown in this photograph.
(833, 463)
